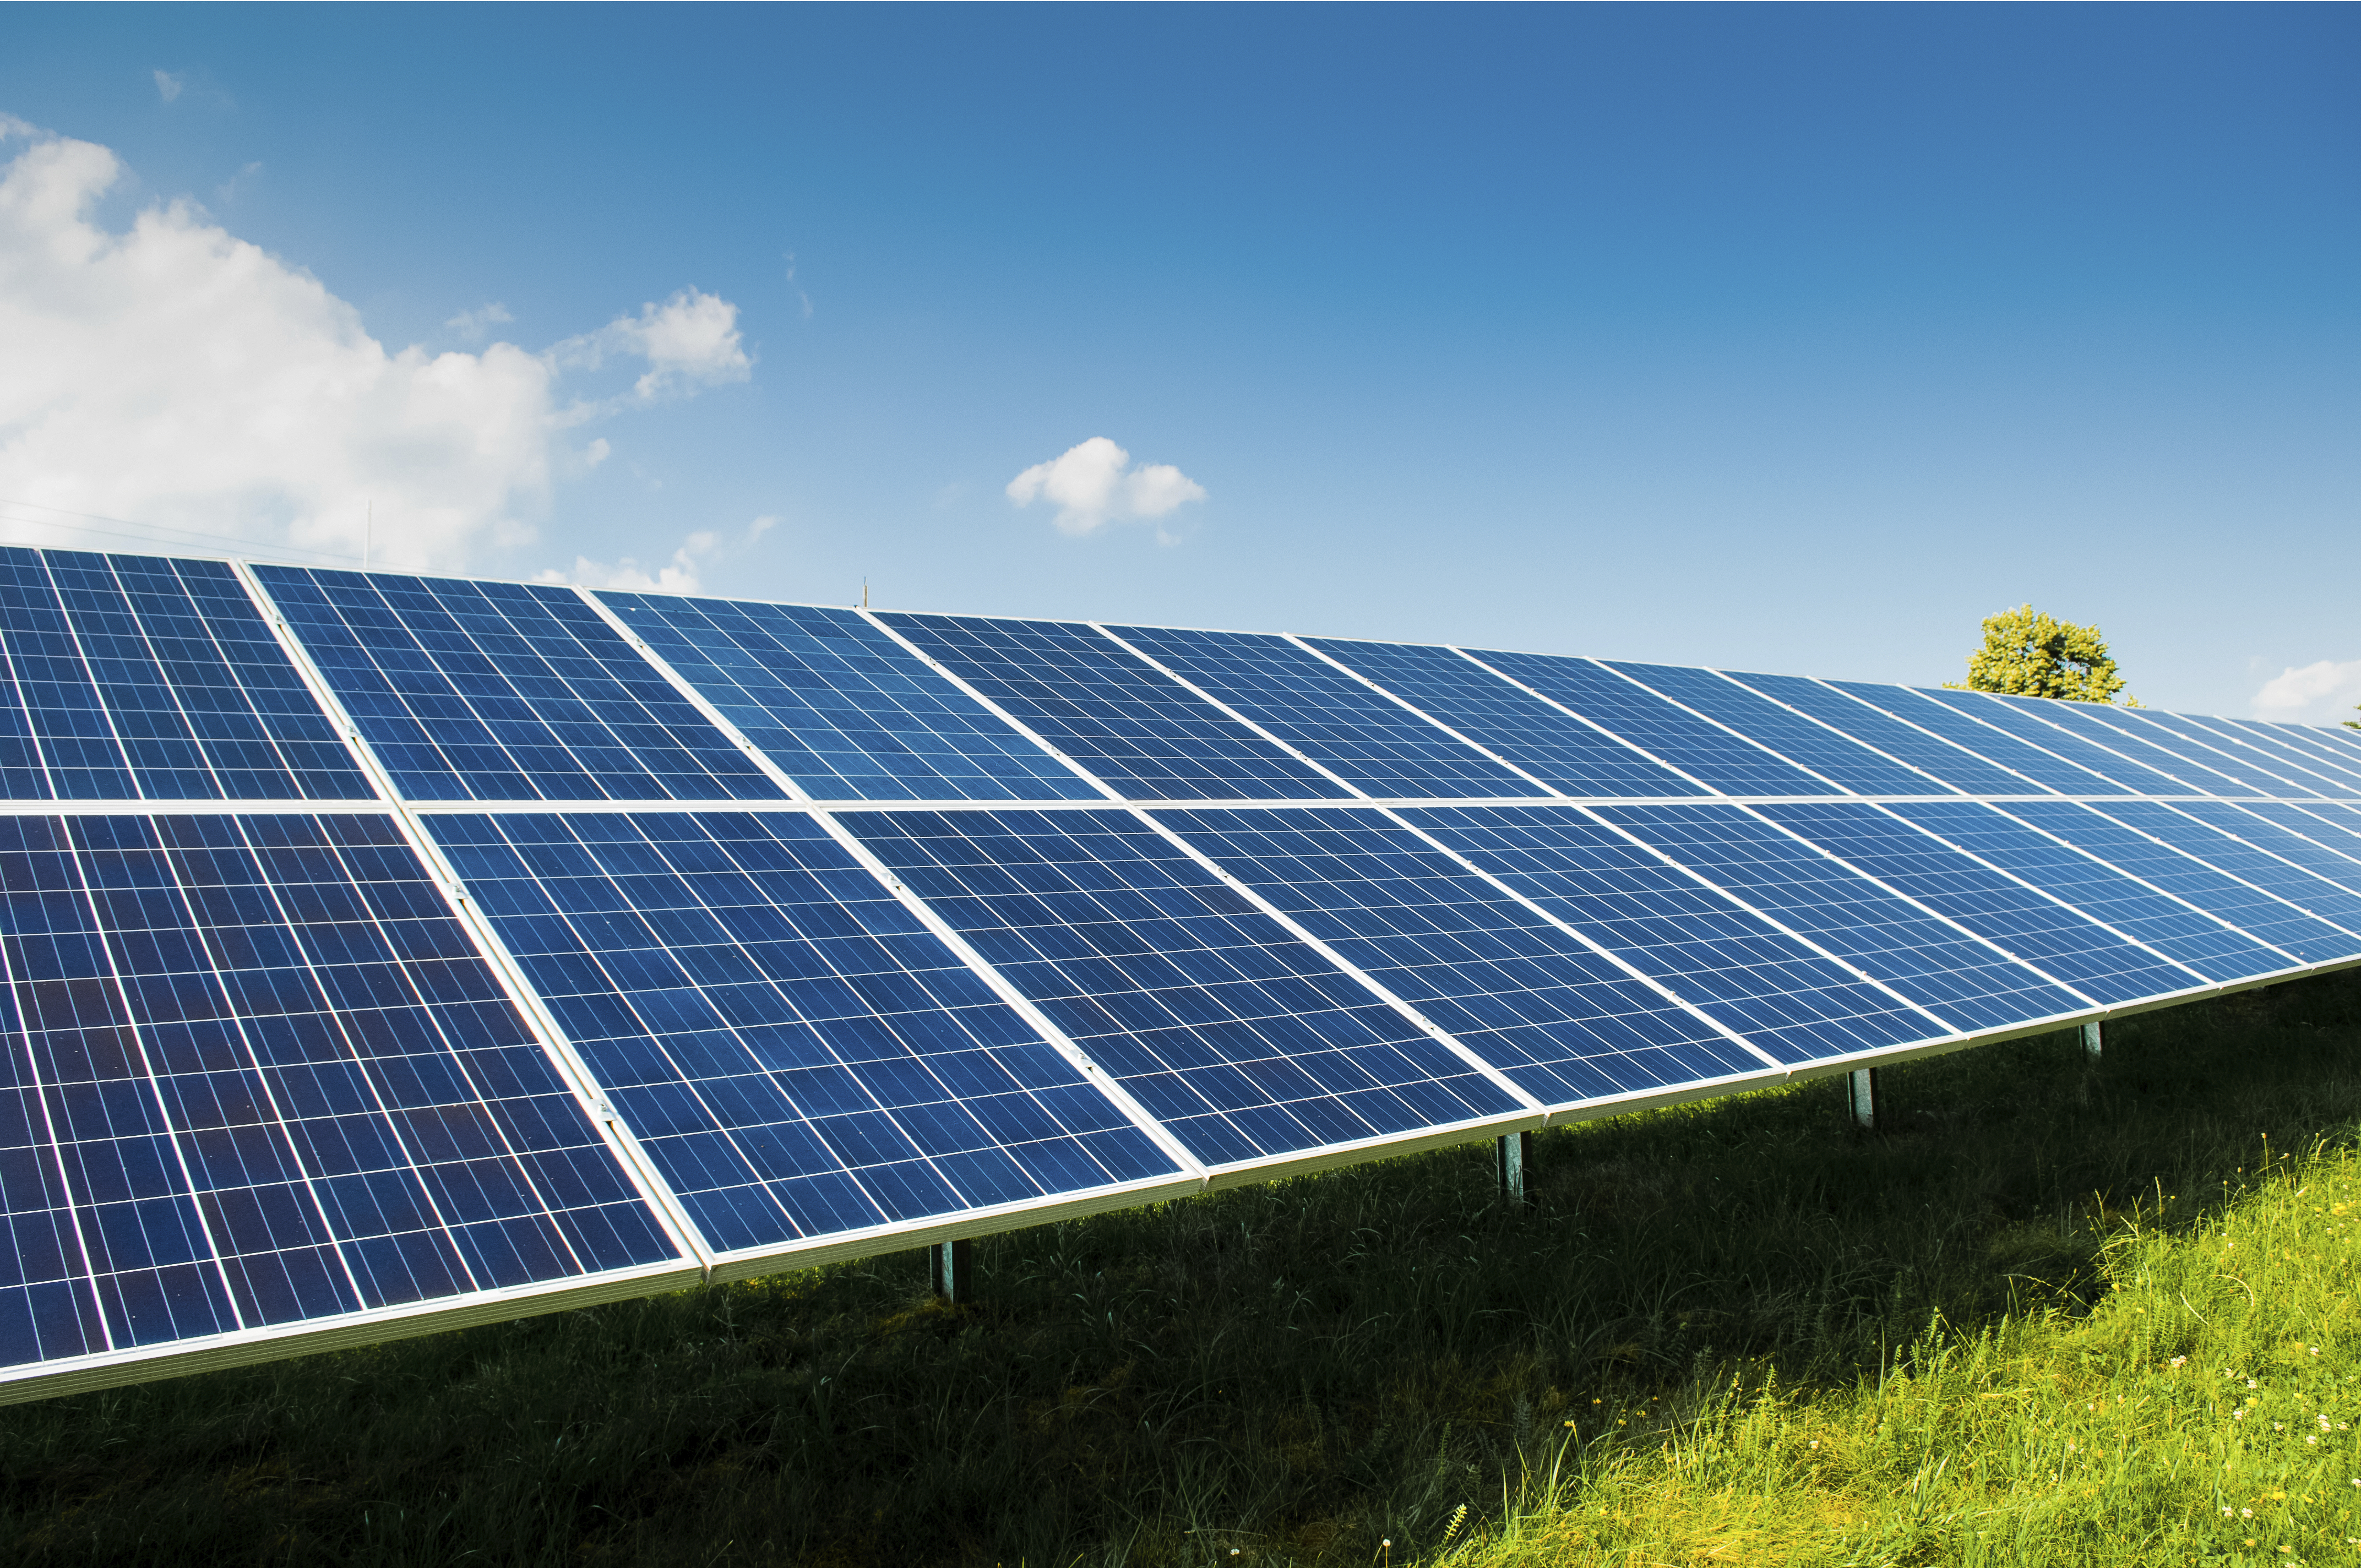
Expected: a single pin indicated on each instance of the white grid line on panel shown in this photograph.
(1558, 922)
(2039, 791)
(990, 707)
(1202, 695)
(1876, 750)
(1932, 913)
(2033, 745)
(2159, 892)
(1540, 695)
(2277, 772)
(1056, 1038)
(1369, 981)
(1762, 746)
(2247, 807)
(2296, 760)
(105, 708)
(572, 1070)
(1706, 882)
(2101, 745)
(1549, 791)
(1998, 870)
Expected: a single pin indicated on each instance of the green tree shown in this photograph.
(2028, 654)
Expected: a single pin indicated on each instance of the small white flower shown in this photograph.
(2181, 1361)
(2312, 1440)
(2241, 1415)
(2252, 1384)
(2246, 1513)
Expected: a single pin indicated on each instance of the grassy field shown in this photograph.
(2052, 1313)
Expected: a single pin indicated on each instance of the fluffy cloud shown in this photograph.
(677, 575)
(1093, 485)
(2324, 693)
(176, 374)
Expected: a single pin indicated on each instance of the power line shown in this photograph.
(85, 518)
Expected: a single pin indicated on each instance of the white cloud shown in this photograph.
(690, 341)
(168, 86)
(2324, 693)
(1092, 484)
(678, 576)
(180, 375)
(472, 326)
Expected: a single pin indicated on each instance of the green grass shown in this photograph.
(1778, 1340)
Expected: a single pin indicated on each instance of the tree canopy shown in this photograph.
(2029, 653)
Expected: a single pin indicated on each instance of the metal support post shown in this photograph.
(1861, 1097)
(2093, 1038)
(1516, 1154)
(952, 1264)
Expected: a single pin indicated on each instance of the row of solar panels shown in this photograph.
(543, 981)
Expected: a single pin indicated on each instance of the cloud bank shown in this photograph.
(178, 375)
(2324, 693)
(1093, 485)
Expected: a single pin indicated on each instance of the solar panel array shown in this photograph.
(383, 952)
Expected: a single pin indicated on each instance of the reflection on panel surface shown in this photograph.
(842, 709)
(258, 1076)
(1234, 1034)
(797, 1054)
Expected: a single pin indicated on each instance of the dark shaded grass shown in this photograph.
(1299, 1370)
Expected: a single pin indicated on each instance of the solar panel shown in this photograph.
(1573, 757)
(501, 691)
(137, 678)
(1142, 732)
(699, 937)
(1564, 1022)
(260, 1080)
(839, 706)
(1370, 740)
(1234, 1033)
(1700, 748)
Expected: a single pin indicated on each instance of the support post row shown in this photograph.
(1515, 1154)
(2094, 1039)
(1861, 1098)
(951, 1266)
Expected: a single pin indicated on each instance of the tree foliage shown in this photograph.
(2029, 653)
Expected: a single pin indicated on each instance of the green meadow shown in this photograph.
(2052, 1312)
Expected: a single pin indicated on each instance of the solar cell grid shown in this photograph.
(842, 709)
(1237, 1036)
(2332, 916)
(2126, 733)
(1959, 978)
(1837, 758)
(1577, 759)
(797, 1052)
(1703, 751)
(2010, 715)
(135, 677)
(256, 1075)
(1145, 734)
(2044, 769)
(2280, 772)
(1961, 769)
(1563, 1023)
(501, 691)
(2287, 833)
(1792, 1002)
(1379, 745)
(2315, 747)
(2000, 908)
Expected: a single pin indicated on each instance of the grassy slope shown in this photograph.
(1302, 1371)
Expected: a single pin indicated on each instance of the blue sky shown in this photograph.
(1779, 338)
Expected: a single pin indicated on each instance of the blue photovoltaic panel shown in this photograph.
(1563, 1023)
(1959, 768)
(1835, 757)
(2259, 862)
(2288, 833)
(1147, 735)
(795, 1052)
(1238, 1036)
(2123, 731)
(256, 1075)
(1377, 744)
(2255, 914)
(1922, 709)
(2279, 771)
(2297, 740)
(2014, 715)
(1952, 975)
(135, 677)
(843, 710)
(2333, 825)
(1788, 1000)
(1575, 758)
(2165, 923)
(2000, 908)
(499, 691)
(1704, 751)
